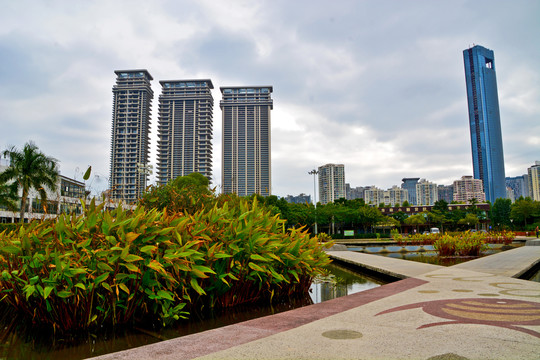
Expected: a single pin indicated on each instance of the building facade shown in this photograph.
(132, 102)
(519, 186)
(184, 129)
(66, 199)
(395, 196)
(373, 195)
(299, 199)
(484, 121)
(469, 188)
(534, 181)
(409, 184)
(426, 193)
(446, 193)
(246, 156)
(354, 193)
(331, 183)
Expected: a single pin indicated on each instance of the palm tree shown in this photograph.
(28, 169)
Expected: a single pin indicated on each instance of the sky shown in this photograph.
(378, 86)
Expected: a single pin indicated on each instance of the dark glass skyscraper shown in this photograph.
(484, 121)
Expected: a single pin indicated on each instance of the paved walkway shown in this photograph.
(436, 313)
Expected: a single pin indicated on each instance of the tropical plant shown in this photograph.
(466, 244)
(188, 193)
(118, 267)
(30, 169)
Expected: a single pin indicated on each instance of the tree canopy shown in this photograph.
(30, 169)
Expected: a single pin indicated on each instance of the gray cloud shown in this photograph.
(377, 86)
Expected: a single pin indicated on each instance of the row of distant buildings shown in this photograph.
(417, 191)
(184, 129)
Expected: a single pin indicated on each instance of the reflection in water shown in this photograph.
(29, 345)
(340, 282)
(427, 253)
(536, 277)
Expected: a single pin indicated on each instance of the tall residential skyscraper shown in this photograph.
(534, 181)
(484, 121)
(132, 102)
(184, 129)
(331, 183)
(426, 193)
(246, 163)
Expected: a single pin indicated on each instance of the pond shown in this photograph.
(29, 345)
(427, 253)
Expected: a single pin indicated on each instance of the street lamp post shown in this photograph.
(314, 173)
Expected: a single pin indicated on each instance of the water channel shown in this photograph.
(27, 345)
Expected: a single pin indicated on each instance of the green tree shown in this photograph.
(500, 213)
(369, 216)
(469, 220)
(30, 169)
(400, 216)
(188, 193)
(8, 196)
(522, 210)
(415, 220)
(441, 205)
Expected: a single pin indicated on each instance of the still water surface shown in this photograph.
(15, 345)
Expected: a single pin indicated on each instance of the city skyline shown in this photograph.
(375, 86)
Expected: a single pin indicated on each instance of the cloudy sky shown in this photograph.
(378, 86)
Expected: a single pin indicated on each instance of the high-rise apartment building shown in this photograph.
(519, 186)
(132, 102)
(409, 184)
(534, 181)
(184, 129)
(395, 196)
(484, 121)
(246, 158)
(373, 195)
(354, 193)
(426, 193)
(445, 192)
(468, 189)
(331, 183)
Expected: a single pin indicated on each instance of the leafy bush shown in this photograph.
(117, 267)
(467, 244)
(8, 227)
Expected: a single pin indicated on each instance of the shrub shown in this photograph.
(117, 267)
(466, 244)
